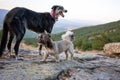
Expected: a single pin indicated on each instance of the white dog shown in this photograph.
(65, 45)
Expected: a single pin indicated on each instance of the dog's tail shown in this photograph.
(4, 38)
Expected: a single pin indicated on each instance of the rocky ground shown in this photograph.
(84, 66)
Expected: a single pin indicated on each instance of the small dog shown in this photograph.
(56, 47)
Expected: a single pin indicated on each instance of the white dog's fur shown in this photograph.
(65, 45)
(67, 36)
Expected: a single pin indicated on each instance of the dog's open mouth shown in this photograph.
(61, 12)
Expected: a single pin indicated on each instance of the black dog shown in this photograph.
(18, 19)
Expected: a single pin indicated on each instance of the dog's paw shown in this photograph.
(58, 60)
(19, 58)
(43, 60)
(12, 56)
(42, 53)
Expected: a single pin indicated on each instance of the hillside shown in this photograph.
(94, 37)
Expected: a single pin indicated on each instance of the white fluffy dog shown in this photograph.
(64, 45)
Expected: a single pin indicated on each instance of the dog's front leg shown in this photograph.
(66, 55)
(71, 57)
(45, 56)
(40, 48)
(57, 58)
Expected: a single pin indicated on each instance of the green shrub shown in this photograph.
(31, 41)
(77, 43)
(86, 46)
(99, 42)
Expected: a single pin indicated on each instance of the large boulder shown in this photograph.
(112, 49)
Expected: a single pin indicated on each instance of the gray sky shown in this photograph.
(91, 10)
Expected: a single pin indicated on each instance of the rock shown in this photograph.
(112, 49)
(85, 66)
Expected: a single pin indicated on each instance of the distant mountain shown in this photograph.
(63, 25)
(3, 12)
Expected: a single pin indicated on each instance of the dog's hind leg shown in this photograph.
(19, 38)
(10, 42)
(4, 38)
(19, 29)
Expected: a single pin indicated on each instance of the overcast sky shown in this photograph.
(91, 10)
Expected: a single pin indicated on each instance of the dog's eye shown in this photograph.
(60, 12)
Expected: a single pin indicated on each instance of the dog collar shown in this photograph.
(53, 15)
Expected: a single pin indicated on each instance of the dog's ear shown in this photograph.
(54, 7)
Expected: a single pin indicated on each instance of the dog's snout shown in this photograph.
(65, 11)
(72, 37)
